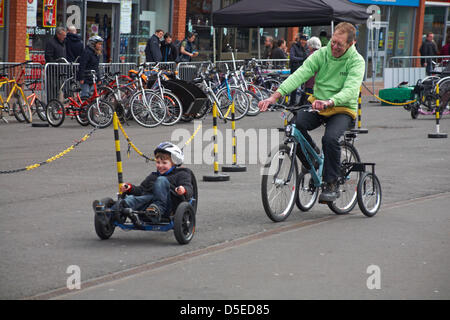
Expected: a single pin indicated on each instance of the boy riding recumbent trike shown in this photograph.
(160, 203)
(283, 184)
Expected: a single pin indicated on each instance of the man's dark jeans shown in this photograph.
(335, 126)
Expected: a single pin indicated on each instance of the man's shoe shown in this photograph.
(330, 193)
(153, 213)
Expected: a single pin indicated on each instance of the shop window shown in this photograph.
(434, 21)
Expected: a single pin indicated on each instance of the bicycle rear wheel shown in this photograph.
(55, 113)
(278, 194)
(17, 112)
(307, 193)
(25, 109)
(369, 194)
(347, 184)
(254, 98)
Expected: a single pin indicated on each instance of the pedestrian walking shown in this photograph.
(74, 44)
(298, 53)
(268, 46)
(153, 47)
(55, 48)
(428, 48)
(89, 60)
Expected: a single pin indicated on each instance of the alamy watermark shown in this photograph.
(252, 145)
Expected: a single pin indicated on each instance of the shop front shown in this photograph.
(3, 29)
(391, 35)
(125, 25)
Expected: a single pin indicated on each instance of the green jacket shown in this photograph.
(338, 79)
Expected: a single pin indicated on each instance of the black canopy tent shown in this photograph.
(289, 13)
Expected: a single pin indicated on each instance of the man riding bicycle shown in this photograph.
(339, 70)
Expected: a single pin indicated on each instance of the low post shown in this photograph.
(437, 134)
(117, 144)
(359, 129)
(217, 176)
(234, 166)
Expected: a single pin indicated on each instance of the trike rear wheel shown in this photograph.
(307, 193)
(55, 113)
(369, 194)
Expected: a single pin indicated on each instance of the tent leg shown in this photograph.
(259, 43)
(332, 26)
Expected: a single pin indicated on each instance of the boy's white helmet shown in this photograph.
(175, 152)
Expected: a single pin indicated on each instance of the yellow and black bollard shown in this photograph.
(359, 129)
(217, 176)
(437, 134)
(118, 157)
(234, 166)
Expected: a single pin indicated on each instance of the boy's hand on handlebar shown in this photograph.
(125, 187)
(180, 190)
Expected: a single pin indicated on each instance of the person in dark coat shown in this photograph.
(187, 48)
(89, 60)
(277, 51)
(168, 50)
(55, 48)
(428, 48)
(268, 46)
(298, 53)
(74, 44)
(153, 47)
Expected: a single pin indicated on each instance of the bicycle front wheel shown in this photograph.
(100, 114)
(174, 109)
(55, 113)
(347, 183)
(147, 108)
(369, 194)
(277, 190)
(240, 99)
(40, 110)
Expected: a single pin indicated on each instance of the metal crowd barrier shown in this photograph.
(408, 69)
(33, 73)
(189, 70)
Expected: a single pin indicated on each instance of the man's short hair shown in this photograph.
(159, 30)
(348, 28)
(58, 30)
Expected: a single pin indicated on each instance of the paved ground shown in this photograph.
(46, 220)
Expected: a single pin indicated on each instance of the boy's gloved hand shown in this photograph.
(126, 187)
(180, 190)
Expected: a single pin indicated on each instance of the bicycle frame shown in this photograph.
(307, 149)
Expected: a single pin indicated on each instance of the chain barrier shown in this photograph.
(56, 157)
(389, 102)
(140, 153)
